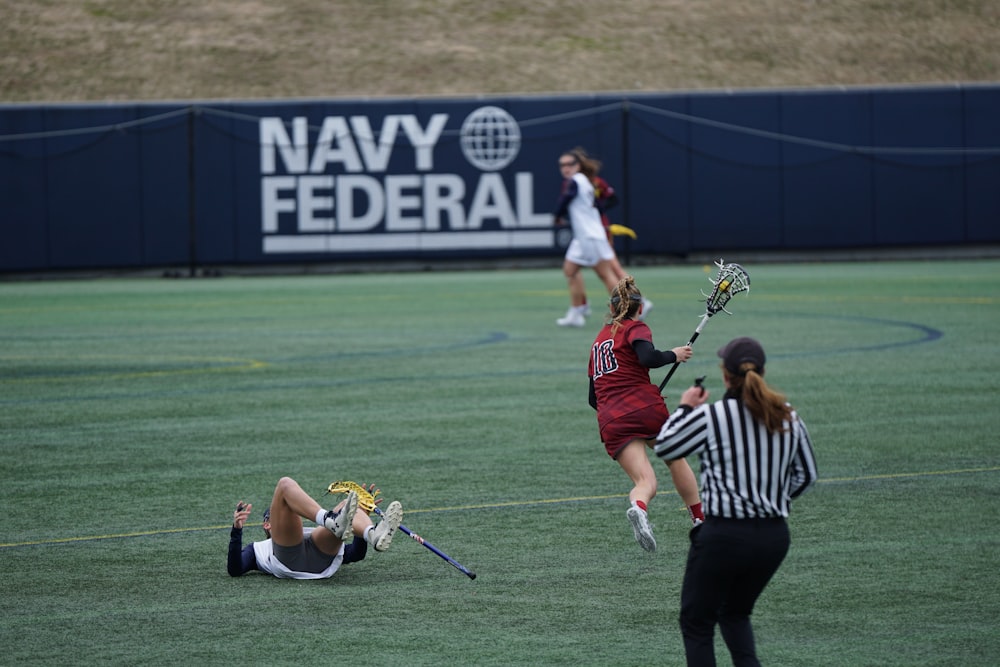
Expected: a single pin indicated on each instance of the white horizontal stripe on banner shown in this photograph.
(334, 243)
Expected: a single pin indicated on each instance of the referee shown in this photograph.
(755, 457)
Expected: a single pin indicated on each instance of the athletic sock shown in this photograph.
(641, 505)
(368, 533)
(320, 515)
(696, 513)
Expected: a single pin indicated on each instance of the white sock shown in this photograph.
(580, 309)
(319, 516)
(368, 533)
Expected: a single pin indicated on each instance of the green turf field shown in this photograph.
(136, 412)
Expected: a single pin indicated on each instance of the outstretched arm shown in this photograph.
(650, 357)
(686, 430)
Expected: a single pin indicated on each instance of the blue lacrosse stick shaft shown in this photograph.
(419, 540)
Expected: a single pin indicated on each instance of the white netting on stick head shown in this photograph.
(730, 281)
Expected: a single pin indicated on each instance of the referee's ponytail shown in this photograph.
(767, 405)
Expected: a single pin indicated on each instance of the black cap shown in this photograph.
(741, 350)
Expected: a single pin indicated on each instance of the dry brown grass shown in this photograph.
(90, 50)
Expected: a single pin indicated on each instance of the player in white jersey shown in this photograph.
(292, 551)
(590, 246)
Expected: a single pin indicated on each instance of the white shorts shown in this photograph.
(589, 252)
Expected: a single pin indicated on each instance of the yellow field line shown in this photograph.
(227, 365)
(900, 475)
(517, 503)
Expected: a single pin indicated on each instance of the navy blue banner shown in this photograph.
(247, 183)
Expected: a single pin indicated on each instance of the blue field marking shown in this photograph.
(926, 334)
(232, 365)
(189, 365)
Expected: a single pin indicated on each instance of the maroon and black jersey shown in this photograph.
(621, 382)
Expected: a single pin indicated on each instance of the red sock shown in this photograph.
(696, 513)
(641, 505)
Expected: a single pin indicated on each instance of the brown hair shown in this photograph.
(588, 166)
(766, 405)
(625, 302)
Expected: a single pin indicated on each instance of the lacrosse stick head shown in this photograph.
(730, 281)
(367, 500)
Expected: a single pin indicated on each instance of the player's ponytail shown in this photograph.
(588, 166)
(626, 300)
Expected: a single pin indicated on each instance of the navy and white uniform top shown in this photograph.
(577, 204)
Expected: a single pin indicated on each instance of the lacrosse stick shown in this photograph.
(367, 502)
(730, 281)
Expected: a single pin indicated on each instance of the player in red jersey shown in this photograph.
(630, 410)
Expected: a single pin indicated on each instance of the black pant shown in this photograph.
(729, 564)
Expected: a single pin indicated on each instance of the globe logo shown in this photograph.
(490, 138)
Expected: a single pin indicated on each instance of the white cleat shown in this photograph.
(386, 528)
(640, 526)
(573, 318)
(647, 306)
(340, 523)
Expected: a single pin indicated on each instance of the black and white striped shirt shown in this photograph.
(745, 471)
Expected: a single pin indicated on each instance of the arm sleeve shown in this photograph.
(684, 433)
(650, 357)
(568, 193)
(356, 550)
(803, 468)
(241, 560)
